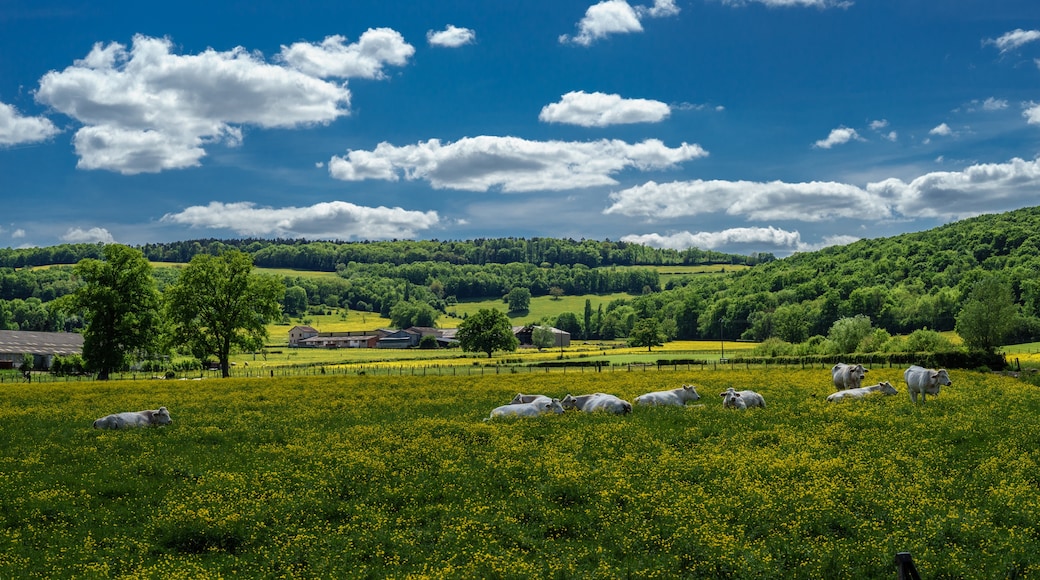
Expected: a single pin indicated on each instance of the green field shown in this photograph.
(399, 477)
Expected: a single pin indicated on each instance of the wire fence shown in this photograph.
(469, 370)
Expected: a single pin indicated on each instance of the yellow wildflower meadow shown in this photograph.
(400, 477)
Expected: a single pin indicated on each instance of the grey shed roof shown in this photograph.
(24, 341)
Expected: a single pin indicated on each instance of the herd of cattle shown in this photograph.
(847, 380)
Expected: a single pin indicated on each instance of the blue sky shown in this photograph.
(736, 125)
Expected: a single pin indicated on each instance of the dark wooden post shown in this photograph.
(905, 569)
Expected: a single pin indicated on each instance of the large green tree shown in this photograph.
(219, 303)
(487, 331)
(988, 315)
(120, 303)
(646, 333)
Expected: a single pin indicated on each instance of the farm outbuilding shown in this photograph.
(44, 346)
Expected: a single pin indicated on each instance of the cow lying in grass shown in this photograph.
(885, 388)
(677, 397)
(532, 409)
(597, 402)
(152, 418)
(522, 398)
(733, 399)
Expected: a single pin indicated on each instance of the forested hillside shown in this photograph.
(902, 283)
(329, 256)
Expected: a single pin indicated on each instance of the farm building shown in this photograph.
(524, 334)
(44, 346)
(307, 337)
(297, 334)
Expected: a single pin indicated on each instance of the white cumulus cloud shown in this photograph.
(16, 129)
(602, 110)
(617, 17)
(712, 240)
(513, 164)
(1014, 39)
(451, 37)
(363, 59)
(1032, 113)
(942, 130)
(764, 201)
(838, 136)
(974, 190)
(147, 110)
(332, 220)
(91, 236)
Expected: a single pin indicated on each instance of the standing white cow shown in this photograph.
(885, 388)
(734, 399)
(847, 376)
(677, 397)
(532, 409)
(925, 381)
(156, 417)
(597, 402)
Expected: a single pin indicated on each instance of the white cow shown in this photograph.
(156, 417)
(885, 388)
(597, 402)
(522, 398)
(733, 399)
(925, 381)
(532, 409)
(847, 376)
(678, 397)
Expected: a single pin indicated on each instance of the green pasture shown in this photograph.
(400, 477)
(541, 306)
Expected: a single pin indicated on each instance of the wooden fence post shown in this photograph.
(905, 569)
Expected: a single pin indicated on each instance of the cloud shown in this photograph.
(943, 130)
(776, 200)
(879, 124)
(660, 9)
(839, 136)
(91, 236)
(147, 110)
(451, 37)
(603, 19)
(514, 164)
(978, 189)
(16, 129)
(1013, 40)
(992, 104)
(711, 240)
(821, 4)
(1032, 113)
(617, 17)
(602, 110)
(332, 220)
(364, 59)
(18, 233)
(975, 190)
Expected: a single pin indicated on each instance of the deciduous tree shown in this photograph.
(487, 331)
(219, 303)
(988, 316)
(120, 303)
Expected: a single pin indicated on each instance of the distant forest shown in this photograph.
(902, 283)
(331, 256)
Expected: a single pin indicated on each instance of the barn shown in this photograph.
(44, 346)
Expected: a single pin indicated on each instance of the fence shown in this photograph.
(558, 367)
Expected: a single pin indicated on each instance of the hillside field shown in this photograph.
(400, 477)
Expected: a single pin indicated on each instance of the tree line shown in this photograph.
(326, 256)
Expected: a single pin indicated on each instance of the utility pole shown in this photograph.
(722, 343)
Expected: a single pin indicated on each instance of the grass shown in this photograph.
(400, 477)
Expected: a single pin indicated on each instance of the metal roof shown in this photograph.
(25, 341)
